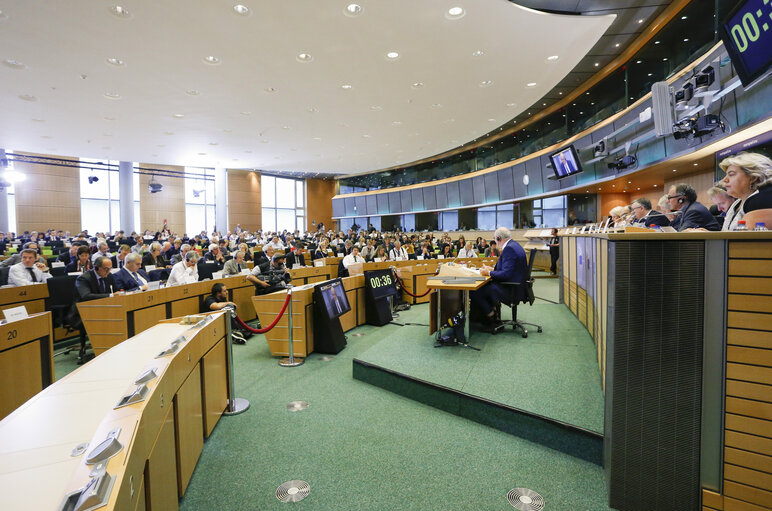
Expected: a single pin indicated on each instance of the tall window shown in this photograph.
(283, 202)
(11, 191)
(100, 209)
(199, 201)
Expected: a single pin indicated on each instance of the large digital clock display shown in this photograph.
(380, 283)
(747, 35)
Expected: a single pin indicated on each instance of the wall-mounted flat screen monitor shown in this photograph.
(747, 35)
(566, 162)
(334, 297)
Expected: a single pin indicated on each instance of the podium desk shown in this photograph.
(110, 321)
(268, 306)
(26, 359)
(33, 297)
(162, 435)
(447, 300)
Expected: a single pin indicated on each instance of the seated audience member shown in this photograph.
(131, 276)
(185, 272)
(664, 205)
(380, 253)
(214, 254)
(467, 251)
(353, 258)
(297, 256)
(492, 250)
(119, 259)
(180, 256)
(82, 262)
(68, 255)
(96, 283)
(645, 216)
(425, 251)
(140, 247)
(275, 244)
(274, 278)
(235, 265)
(103, 250)
(722, 200)
(321, 251)
(749, 180)
(398, 253)
(218, 300)
(617, 215)
(511, 266)
(247, 253)
(691, 214)
(446, 252)
(368, 250)
(263, 259)
(154, 258)
(29, 270)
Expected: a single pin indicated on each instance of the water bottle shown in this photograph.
(741, 226)
(760, 226)
(656, 227)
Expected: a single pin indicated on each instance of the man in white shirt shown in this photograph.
(352, 258)
(398, 253)
(104, 250)
(275, 244)
(185, 272)
(28, 271)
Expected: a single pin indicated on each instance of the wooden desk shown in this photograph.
(310, 274)
(26, 360)
(438, 314)
(110, 321)
(162, 436)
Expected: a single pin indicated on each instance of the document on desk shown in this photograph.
(447, 270)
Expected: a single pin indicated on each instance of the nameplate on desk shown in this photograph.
(149, 268)
(245, 271)
(376, 259)
(341, 254)
(296, 266)
(216, 275)
(153, 284)
(57, 264)
(420, 258)
(573, 231)
(75, 273)
(15, 313)
(319, 263)
(440, 257)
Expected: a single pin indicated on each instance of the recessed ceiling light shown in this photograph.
(639, 188)
(656, 42)
(213, 143)
(192, 92)
(115, 62)
(560, 93)
(686, 40)
(212, 60)
(392, 55)
(120, 12)
(3, 16)
(511, 104)
(650, 74)
(226, 130)
(316, 138)
(491, 120)
(597, 64)
(346, 86)
(353, 10)
(486, 83)
(455, 13)
(616, 45)
(241, 10)
(436, 105)
(285, 127)
(396, 123)
(178, 116)
(417, 85)
(449, 121)
(112, 95)
(376, 108)
(531, 84)
(675, 170)
(270, 90)
(14, 64)
(640, 21)
(696, 164)
(638, 61)
(312, 109)
(34, 119)
(544, 104)
(245, 113)
(264, 141)
(664, 59)
(478, 53)
(109, 118)
(684, 17)
(655, 186)
(304, 57)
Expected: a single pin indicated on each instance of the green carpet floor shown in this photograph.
(554, 373)
(361, 447)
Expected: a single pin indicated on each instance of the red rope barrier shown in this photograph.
(273, 324)
(408, 292)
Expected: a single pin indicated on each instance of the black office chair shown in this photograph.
(4, 275)
(519, 292)
(61, 296)
(60, 271)
(342, 271)
(205, 269)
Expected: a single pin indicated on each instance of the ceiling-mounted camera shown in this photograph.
(92, 179)
(623, 162)
(154, 186)
(704, 79)
(600, 149)
(684, 95)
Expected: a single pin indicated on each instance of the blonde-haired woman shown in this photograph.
(749, 180)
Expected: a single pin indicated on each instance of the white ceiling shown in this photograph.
(260, 107)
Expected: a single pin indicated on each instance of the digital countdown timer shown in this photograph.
(380, 284)
(747, 36)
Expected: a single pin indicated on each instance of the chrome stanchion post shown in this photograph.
(236, 405)
(290, 361)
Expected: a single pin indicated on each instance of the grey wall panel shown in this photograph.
(383, 203)
(491, 187)
(505, 183)
(372, 204)
(361, 204)
(454, 197)
(521, 190)
(478, 186)
(442, 196)
(350, 203)
(430, 197)
(417, 200)
(395, 204)
(338, 207)
(535, 173)
(466, 193)
(406, 200)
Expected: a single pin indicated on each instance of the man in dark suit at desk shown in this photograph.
(692, 214)
(297, 256)
(131, 276)
(90, 285)
(645, 216)
(511, 266)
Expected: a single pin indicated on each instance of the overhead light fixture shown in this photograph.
(14, 176)
(212, 60)
(28, 97)
(392, 55)
(192, 92)
(531, 84)
(455, 13)
(120, 12)
(353, 10)
(154, 186)
(14, 64)
(553, 58)
(178, 116)
(417, 85)
(486, 83)
(616, 45)
(304, 57)
(640, 21)
(112, 95)
(115, 62)
(346, 86)
(241, 10)
(478, 53)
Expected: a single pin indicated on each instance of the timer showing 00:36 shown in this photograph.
(748, 30)
(376, 282)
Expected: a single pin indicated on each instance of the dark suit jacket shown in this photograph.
(87, 286)
(149, 260)
(293, 259)
(73, 266)
(656, 218)
(124, 280)
(65, 257)
(511, 266)
(695, 215)
(114, 259)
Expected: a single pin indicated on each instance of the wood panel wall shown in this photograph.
(167, 204)
(319, 194)
(748, 412)
(700, 181)
(48, 198)
(244, 200)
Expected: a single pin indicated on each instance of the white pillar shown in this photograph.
(3, 196)
(221, 199)
(126, 196)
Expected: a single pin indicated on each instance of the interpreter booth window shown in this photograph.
(283, 204)
(200, 200)
(448, 221)
(553, 211)
(408, 222)
(11, 195)
(346, 223)
(100, 206)
(376, 222)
